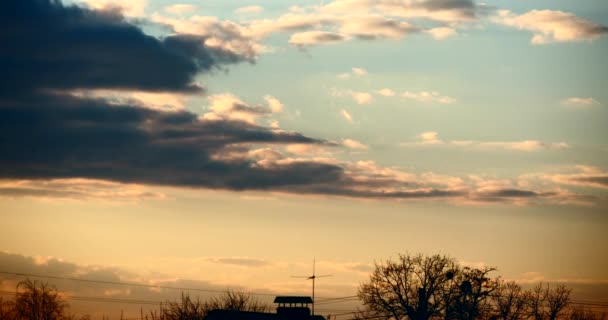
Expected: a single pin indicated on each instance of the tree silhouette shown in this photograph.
(38, 301)
(190, 309)
(511, 301)
(470, 291)
(414, 287)
(546, 303)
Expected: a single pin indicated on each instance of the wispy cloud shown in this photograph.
(249, 9)
(354, 144)
(386, 92)
(580, 102)
(441, 33)
(355, 71)
(346, 115)
(432, 138)
(77, 189)
(134, 8)
(311, 38)
(427, 97)
(179, 8)
(553, 26)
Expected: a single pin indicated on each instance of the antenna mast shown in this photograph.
(313, 277)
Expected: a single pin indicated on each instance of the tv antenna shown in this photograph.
(313, 277)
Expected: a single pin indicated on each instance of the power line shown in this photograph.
(146, 285)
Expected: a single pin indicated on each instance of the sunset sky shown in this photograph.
(220, 144)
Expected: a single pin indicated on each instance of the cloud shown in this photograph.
(132, 8)
(432, 138)
(354, 72)
(56, 125)
(448, 11)
(274, 104)
(553, 26)
(141, 286)
(77, 189)
(359, 71)
(310, 38)
(168, 101)
(427, 97)
(580, 102)
(346, 115)
(362, 97)
(87, 49)
(239, 261)
(249, 10)
(354, 144)
(375, 26)
(179, 8)
(221, 35)
(386, 92)
(228, 107)
(441, 33)
(582, 176)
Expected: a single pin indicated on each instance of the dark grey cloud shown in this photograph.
(58, 136)
(47, 133)
(47, 45)
(57, 268)
(595, 180)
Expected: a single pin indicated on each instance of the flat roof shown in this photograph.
(292, 299)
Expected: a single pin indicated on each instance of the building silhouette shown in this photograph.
(288, 308)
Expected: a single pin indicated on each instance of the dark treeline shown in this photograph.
(414, 287)
(418, 287)
(39, 301)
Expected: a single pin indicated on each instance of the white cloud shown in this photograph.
(164, 101)
(179, 8)
(580, 102)
(386, 92)
(456, 12)
(221, 34)
(359, 71)
(346, 115)
(426, 96)
(552, 26)
(353, 144)
(355, 71)
(432, 138)
(228, 107)
(274, 104)
(306, 149)
(429, 137)
(132, 8)
(362, 97)
(441, 33)
(249, 10)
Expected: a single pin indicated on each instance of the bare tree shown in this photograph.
(38, 301)
(412, 287)
(237, 300)
(510, 301)
(581, 313)
(191, 309)
(546, 303)
(472, 288)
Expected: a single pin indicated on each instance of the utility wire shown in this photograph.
(146, 285)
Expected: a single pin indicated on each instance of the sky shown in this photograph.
(227, 144)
